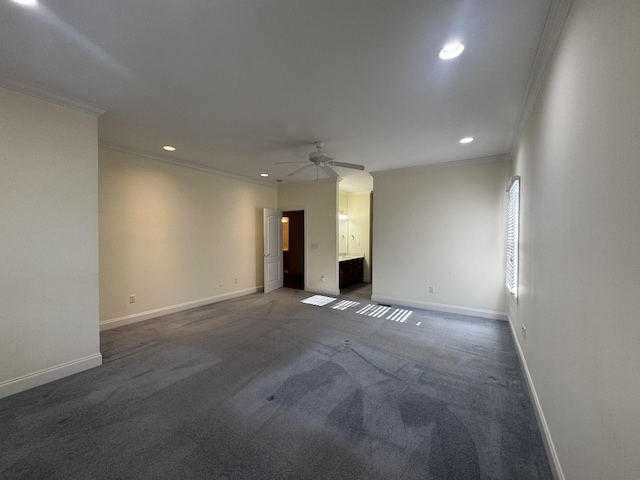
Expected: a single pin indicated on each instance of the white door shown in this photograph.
(272, 250)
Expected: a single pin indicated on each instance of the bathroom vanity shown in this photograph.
(351, 269)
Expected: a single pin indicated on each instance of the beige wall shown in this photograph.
(48, 242)
(359, 208)
(580, 238)
(320, 202)
(343, 201)
(170, 234)
(442, 227)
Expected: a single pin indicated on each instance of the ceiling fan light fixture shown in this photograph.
(324, 162)
(451, 50)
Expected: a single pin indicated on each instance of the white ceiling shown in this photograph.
(238, 85)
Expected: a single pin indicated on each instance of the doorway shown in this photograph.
(293, 249)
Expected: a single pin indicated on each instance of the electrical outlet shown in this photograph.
(219, 283)
(524, 332)
(132, 299)
(432, 289)
(235, 280)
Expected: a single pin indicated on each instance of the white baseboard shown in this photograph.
(139, 317)
(35, 379)
(439, 307)
(554, 461)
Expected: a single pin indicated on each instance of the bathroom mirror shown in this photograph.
(343, 233)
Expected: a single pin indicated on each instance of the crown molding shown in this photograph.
(53, 97)
(556, 18)
(455, 163)
(181, 163)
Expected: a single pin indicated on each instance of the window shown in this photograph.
(513, 224)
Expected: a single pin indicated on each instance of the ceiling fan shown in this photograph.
(323, 162)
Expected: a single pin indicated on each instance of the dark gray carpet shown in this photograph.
(266, 387)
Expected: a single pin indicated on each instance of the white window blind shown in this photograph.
(513, 222)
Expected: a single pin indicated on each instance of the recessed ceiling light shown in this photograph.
(466, 140)
(169, 148)
(451, 50)
(27, 3)
(264, 174)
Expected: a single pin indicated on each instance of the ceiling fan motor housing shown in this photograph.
(319, 157)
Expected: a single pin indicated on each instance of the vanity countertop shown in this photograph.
(351, 256)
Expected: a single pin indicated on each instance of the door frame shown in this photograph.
(287, 208)
(304, 242)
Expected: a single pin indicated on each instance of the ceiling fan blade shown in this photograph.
(300, 169)
(329, 171)
(284, 163)
(346, 165)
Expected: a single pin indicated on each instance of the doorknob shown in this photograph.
(266, 255)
